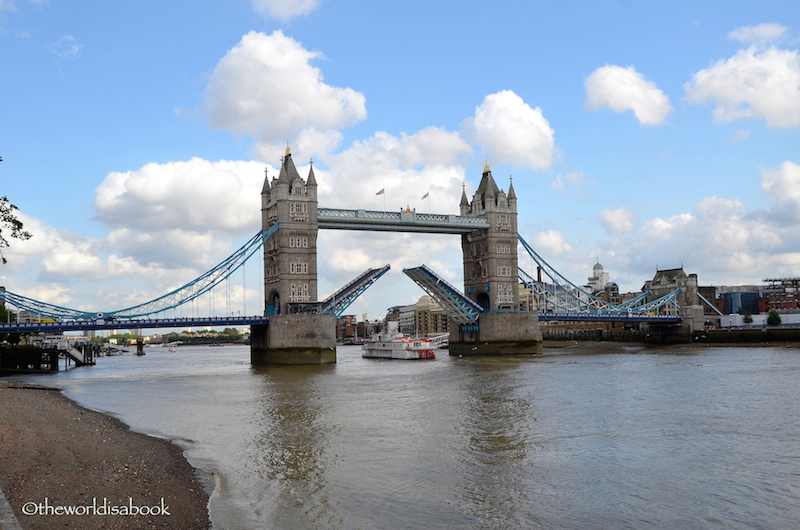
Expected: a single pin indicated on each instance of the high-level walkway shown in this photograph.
(403, 221)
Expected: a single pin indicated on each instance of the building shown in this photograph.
(740, 303)
(429, 317)
(667, 281)
(600, 285)
(346, 327)
(404, 315)
(598, 279)
(782, 294)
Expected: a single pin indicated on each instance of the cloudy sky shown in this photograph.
(641, 134)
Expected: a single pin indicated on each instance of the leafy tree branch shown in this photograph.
(10, 226)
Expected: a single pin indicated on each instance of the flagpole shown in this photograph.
(383, 192)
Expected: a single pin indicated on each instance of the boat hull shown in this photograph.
(377, 352)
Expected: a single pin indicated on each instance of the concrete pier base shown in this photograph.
(294, 339)
(501, 333)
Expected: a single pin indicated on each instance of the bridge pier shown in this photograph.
(294, 339)
(498, 333)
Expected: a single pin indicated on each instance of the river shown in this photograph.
(627, 438)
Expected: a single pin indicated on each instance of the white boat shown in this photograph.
(394, 345)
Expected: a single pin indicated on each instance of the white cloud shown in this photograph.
(510, 131)
(179, 214)
(67, 47)
(760, 34)
(552, 243)
(718, 238)
(782, 186)
(751, 84)
(266, 87)
(622, 89)
(572, 180)
(194, 195)
(284, 9)
(741, 136)
(11, 5)
(406, 167)
(618, 221)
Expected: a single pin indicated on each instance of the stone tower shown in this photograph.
(290, 255)
(490, 255)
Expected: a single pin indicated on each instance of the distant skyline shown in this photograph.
(641, 134)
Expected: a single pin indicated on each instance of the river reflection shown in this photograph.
(694, 438)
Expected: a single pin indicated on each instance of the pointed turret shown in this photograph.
(487, 187)
(266, 188)
(288, 165)
(511, 193)
(288, 170)
(464, 205)
(312, 180)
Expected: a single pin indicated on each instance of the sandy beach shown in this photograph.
(56, 457)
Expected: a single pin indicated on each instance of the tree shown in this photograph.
(774, 319)
(748, 317)
(11, 225)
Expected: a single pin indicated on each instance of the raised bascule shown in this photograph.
(486, 319)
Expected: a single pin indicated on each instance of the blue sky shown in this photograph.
(644, 134)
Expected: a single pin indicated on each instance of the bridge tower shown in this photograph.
(490, 255)
(490, 278)
(290, 255)
(297, 333)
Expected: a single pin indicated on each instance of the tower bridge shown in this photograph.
(295, 327)
(298, 332)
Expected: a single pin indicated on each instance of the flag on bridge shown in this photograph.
(381, 192)
(426, 195)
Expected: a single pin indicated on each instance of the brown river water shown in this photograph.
(628, 438)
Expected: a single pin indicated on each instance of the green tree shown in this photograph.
(774, 319)
(125, 338)
(748, 317)
(9, 225)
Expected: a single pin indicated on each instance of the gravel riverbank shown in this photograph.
(56, 457)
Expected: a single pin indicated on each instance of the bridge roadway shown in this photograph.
(132, 323)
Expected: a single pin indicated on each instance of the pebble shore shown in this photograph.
(57, 456)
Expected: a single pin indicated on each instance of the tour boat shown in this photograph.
(394, 345)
